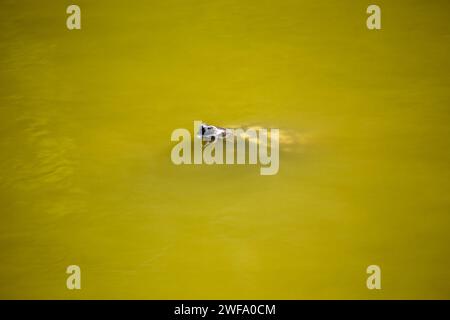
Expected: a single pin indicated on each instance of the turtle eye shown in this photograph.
(203, 130)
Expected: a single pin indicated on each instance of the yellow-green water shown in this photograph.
(85, 170)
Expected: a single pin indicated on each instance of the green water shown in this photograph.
(85, 170)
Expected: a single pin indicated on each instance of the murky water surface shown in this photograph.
(85, 170)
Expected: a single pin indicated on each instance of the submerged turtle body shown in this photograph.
(290, 141)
